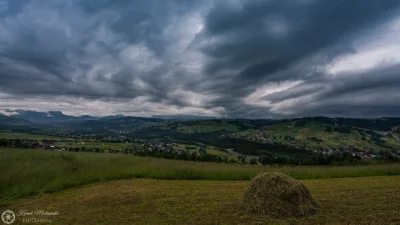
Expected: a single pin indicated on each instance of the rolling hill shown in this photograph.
(326, 133)
(249, 136)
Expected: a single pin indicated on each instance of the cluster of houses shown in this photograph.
(259, 136)
(360, 153)
(102, 138)
(262, 137)
(141, 145)
(28, 143)
(138, 145)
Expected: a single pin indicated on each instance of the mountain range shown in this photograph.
(59, 117)
(52, 116)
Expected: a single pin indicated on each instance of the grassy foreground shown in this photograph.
(30, 172)
(370, 200)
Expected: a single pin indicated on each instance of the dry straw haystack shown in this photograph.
(280, 196)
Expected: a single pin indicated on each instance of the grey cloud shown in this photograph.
(295, 92)
(81, 49)
(247, 42)
(372, 93)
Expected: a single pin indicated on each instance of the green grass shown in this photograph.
(369, 200)
(211, 151)
(29, 172)
(101, 145)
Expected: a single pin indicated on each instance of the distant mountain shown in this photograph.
(8, 123)
(183, 117)
(111, 117)
(8, 120)
(48, 117)
(109, 126)
(59, 117)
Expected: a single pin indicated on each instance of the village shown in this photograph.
(120, 144)
(361, 153)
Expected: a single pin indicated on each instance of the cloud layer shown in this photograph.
(255, 59)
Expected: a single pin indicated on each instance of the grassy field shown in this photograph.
(30, 172)
(211, 151)
(100, 145)
(372, 200)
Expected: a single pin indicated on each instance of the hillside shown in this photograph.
(204, 131)
(48, 117)
(245, 135)
(7, 120)
(325, 133)
(122, 125)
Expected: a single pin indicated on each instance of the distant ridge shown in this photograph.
(184, 117)
(111, 117)
(48, 117)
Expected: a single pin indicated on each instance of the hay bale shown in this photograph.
(279, 196)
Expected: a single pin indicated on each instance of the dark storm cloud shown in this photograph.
(275, 41)
(55, 45)
(202, 54)
(261, 38)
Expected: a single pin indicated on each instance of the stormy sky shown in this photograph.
(233, 58)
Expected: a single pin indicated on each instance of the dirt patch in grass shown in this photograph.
(372, 200)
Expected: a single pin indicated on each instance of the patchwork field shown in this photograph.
(372, 200)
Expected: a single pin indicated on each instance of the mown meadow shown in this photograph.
(30, 172)
(362, 200)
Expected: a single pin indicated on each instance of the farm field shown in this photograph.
(196, 148)
(370, 200)
(30, 172)
(94, 144)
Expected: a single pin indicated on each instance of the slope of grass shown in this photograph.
(29, 172)
(317, 129)
(100, 145)
(141, 201)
